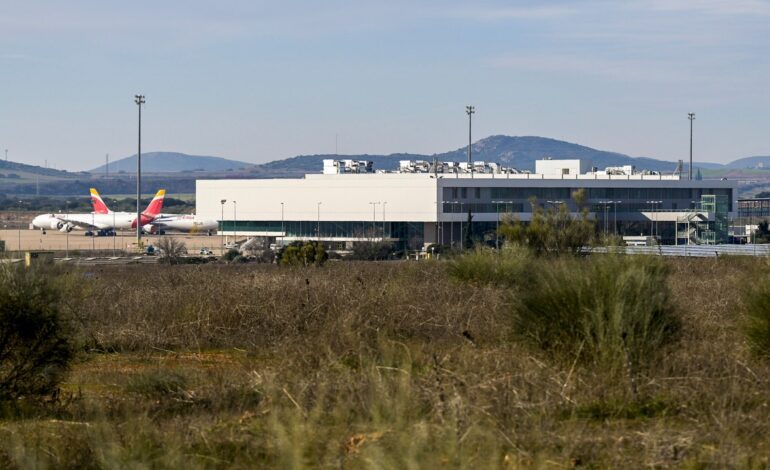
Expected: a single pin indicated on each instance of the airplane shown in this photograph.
(177, 222)
(101, 223)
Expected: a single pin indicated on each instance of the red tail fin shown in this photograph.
(96, 201)
(155, 206)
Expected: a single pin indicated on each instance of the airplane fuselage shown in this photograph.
(184, 223)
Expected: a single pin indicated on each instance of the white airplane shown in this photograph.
(101, 223)
(176, 222)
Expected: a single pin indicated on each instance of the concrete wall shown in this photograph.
(409, 198)
(557, 168)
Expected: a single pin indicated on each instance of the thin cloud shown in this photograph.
(713, 7)
(11, 56)
(497, 13)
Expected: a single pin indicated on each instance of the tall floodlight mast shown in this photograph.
(139, 100)
(691, 117)
(470, 110)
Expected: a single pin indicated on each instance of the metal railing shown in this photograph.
(700, 251)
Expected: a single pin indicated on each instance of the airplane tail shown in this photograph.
(96, 201)
(155, 206)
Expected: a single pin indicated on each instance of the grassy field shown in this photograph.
(384, 365)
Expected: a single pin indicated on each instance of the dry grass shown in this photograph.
(383, 365)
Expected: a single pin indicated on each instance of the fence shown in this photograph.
(701, 251)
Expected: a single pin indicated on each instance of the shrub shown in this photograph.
(304, 254)
(605, 310)
(230, 254)
(371, 251)
(507, 267)
(35, 348)
(171, 250)
(756, 327)
(552, 230)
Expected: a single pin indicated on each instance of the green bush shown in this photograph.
(230, 254)
(35, 347)
(506, 267)
(605, 310)
(756, 327)
(304, 254)
(552, 231)
(371, 251)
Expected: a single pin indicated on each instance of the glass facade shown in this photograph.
(754, 208)
(406, 232)
(491, 200)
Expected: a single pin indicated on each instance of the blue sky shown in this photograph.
(258, 81)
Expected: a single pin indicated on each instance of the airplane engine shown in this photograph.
(65, 227)
(56, 224)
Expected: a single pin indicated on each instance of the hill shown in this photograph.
(171, 162)
(23, 171)
(518, 152)
(521, 152)
(750, 163)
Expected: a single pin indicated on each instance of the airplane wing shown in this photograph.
(81, 221)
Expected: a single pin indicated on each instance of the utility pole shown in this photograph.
(385, 203)
(283, 230)
(374, 218)
(470, 110)
(691, 117)
(139, 100)
(222, 225)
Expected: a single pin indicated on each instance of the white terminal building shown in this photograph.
(424, 202)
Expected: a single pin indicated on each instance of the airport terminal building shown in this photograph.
(425, 202)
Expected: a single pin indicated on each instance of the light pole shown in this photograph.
(654, 217)
(497, 224)
(139, 100)
(383, 219)
(374, 218)
(691, 117)
(222, 226)
(67, 232)
(462, 241)
(650, 203)
(470, 110)
(19, 228)
(452, 222)
(283, 230)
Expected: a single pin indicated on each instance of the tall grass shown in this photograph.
(508, 266)
(395, 365)
(756, 326)
(607, 310)
(35, 342)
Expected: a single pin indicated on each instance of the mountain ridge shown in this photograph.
(517, 151)
(172, 162)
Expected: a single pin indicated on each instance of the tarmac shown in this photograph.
(76, 244)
